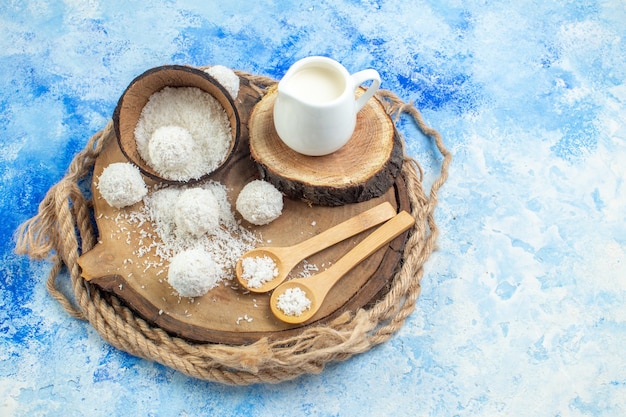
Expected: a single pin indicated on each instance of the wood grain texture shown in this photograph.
(366, 167)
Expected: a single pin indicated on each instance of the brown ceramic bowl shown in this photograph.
(136, 96)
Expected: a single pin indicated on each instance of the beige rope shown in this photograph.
(63, 221)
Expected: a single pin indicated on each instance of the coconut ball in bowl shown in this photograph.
(171, 150)
(177, 124)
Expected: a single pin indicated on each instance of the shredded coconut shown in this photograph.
(226, 77)
(226, 243)
(308, 269)
(293, 302)
(197, 212)
(258, 270)
(193, 272)
(190, 109)
(121, 184)
(259, 202)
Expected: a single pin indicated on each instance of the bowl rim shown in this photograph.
(195, 72)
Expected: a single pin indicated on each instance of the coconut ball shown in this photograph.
(197, 212)
(226, 77)
(193, 272)
(259, 202)
(121, 184)
(171, 149)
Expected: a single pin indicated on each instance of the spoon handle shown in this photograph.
(344, 230)
(376, 240)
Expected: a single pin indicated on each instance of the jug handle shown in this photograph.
(359, 78)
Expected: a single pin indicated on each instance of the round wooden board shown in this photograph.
(227, 314)
(364, 168)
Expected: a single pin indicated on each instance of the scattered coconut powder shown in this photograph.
(121, 184)
(224, 244)
(229, 241)
(293, 302)
(259, 202)
(258, 270)
(192, 110)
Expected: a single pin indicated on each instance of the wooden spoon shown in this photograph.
(317, 287)
(286, 258)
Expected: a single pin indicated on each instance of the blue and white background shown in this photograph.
(523, 307)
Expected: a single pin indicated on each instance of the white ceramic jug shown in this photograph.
(315, 110)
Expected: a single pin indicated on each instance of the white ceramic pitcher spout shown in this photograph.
(315, 109)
